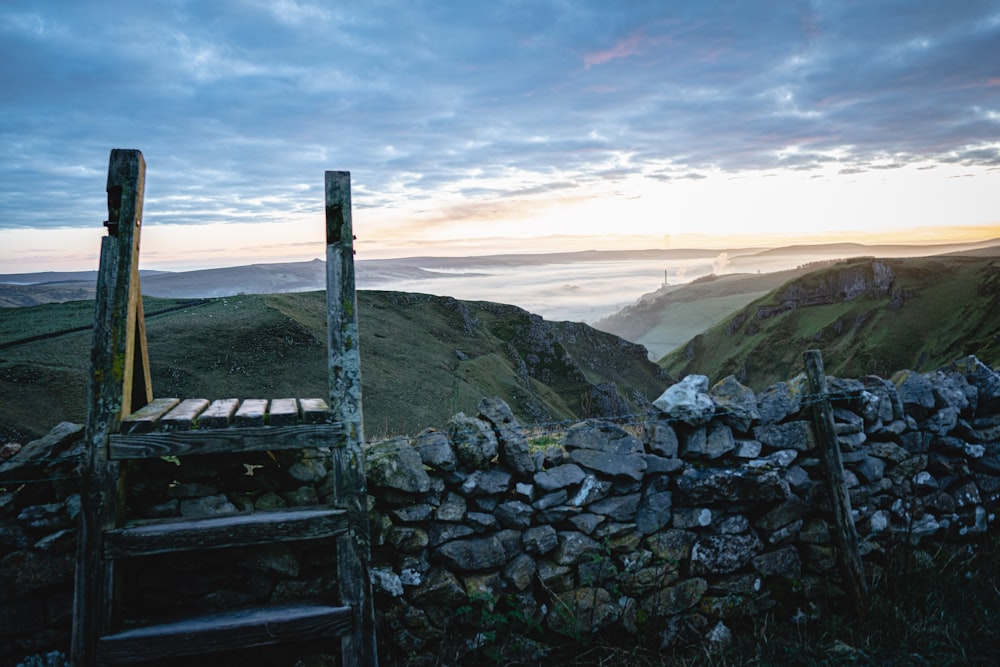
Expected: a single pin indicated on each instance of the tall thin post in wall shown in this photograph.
(353, 548)
(840, 500)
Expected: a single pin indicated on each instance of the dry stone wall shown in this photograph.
(670, 527)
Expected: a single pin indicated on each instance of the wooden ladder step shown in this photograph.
(217, 532)
(225, 631)
(223, 441)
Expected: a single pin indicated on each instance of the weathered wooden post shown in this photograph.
(119, 383)
(353, 548)
(847, 535)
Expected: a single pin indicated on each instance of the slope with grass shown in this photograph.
(424, 358)
(664, 320)
(866, 315)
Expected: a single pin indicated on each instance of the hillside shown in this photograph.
(666, 319)
(424, 358)
(866, 315)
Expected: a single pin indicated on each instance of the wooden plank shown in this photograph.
(182, 417)
(144, 419)
(251, 412)
(111, 392)
(284, 412)
(219, 441)
(219, 414)
(226, 631)
(847, 534)
(344, 382)
(216, 532)
(314, 410)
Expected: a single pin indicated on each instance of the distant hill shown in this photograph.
(866, 315)
(424, 358)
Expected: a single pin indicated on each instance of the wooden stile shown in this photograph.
(125, 422)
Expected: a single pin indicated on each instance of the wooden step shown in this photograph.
(217, 532)
(222, 441)
(173, 414)
(225, 631)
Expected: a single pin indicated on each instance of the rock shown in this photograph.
(490, 482)
(273, 559)
(781, 563)
(687, 401)
(709, 442)
(654, 512)
(736, 403)
(915, 392)
(942, 422)
(408, 539)
(613, 464)
(585, 610)
(870, 469)
(556, 578)
(592, 489)
(671, 546)
(520, 571)
(984, 379)
(452, 508)
(473, 554)
(796, 435)
(514, 450)
(721, 554)
(514, 514)
(617, 508)
(473, 440)
(708, 485)
(216, 505)
(394, 464)
(63, 441)
(782, 515)
(573, 547)
(675, 599)
(440, 587)
(748, 449)
(692, 517)
(435, 450)
(559, 477)
(30, 571)
(386, 581)
(661, 438)
(780, 401)
(540, 540)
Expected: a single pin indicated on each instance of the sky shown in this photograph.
(476, 128)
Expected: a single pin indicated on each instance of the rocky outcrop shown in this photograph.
(710, 508)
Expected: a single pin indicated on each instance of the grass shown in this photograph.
(938, 310)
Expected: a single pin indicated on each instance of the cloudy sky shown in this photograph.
(508, 125)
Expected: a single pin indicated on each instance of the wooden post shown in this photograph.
(354, 548)
(119, 383)
(847, 535)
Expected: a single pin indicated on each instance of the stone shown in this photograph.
(779, 459)
(590, 490)
(474, 441)
(216, 505)
(514, 514)
(551, 500)
(607, 449)
(654, 512)
(472, 554)
(64, 440)
(687, 401)
(797, 435)
(709, 442)
(780, 401)
(658, 465)
(586, 522)
(308, 470)
(520, 571)
(791, 510)
(556, 578)
(394, 464)
(942, 422)
(889, 451)
(514, 450)
(721, 554)
(736, 403)
(709, 485)
(435, 450)
(407, 539)
(748, 449)
(540, 540)
(440, 587)
(916, 393)
(671, 546)
(273, 559)
(386, 581)
(489, 482)
(585, 610)
(482, 521)
(412, 513)
(660, 438)
(870, 469)
(559, 477)
(614, 465)
(692, 517)
(674, 599)
(452, 508)
(573, 547)
(984, 379)
(617, 508)
(31, 571)
(784, 562)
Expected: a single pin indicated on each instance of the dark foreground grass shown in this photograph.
(940, 609)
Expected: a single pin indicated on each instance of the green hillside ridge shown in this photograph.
(868, 316)
(666, 319)
(424, 358)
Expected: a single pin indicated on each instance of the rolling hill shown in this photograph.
(424, 358)
(867, 316)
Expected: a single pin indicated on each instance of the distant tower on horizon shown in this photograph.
(665, 281)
